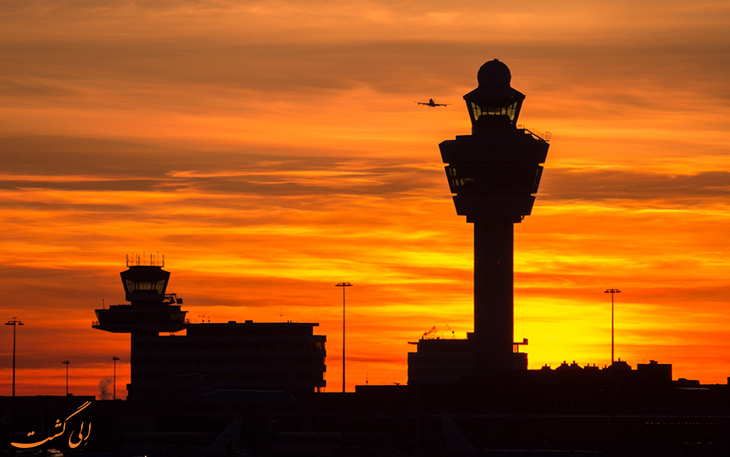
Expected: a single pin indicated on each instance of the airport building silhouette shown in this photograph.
(211, 358)
(268, 377)
(494, 173)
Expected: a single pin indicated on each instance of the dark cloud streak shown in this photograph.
(104, 165)
(602, 185)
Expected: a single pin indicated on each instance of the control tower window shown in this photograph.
(156, 287)
(509, 111)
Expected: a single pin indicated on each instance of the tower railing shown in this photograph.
(537, 134)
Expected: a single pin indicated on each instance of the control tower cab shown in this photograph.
(150, 310)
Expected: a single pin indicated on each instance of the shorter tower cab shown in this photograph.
(150, 310)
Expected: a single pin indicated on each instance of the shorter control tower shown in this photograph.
(151, 310)
(225, 361)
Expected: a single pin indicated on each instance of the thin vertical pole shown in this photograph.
(343, 285)
(66, 362)
(114, 394)
(14, 327)
(343, 339)
(15, 322)
(612, 292)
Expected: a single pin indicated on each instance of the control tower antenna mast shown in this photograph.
(494, 173)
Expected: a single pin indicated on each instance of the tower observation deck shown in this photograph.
(494, 173)
(150, 310)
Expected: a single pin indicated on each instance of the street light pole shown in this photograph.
(114, 395)
(66, 362)
(344, 285)
(15, 322)
(612, 292)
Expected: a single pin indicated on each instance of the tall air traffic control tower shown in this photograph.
(494, 173)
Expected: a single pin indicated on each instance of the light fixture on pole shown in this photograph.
(15, 322)
(66, 362)
(344, 285)
(114, 394)
(612, 292)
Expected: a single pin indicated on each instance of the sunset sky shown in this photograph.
(271, 149)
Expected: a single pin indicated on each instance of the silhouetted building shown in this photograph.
(465, 396)
(228, 356)
(211, 357)
(441, 361)
(494, 173)
(469, 396)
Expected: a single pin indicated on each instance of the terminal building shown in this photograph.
(210, 359)
(216, 359)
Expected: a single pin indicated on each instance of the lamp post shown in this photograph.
(612, 292)
(344, 285)
(66, 362)
(114, 394)
(15, 322)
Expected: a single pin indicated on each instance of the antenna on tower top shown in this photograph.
(155, 260)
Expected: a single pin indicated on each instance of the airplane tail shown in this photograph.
(459, 446)
(456, 441)
(202, 388)
(225, 443)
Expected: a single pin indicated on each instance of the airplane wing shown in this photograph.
(431, 103)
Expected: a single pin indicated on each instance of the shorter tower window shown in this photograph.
(156, 287)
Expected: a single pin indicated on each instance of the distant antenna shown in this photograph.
(154, 260)
(453, 334)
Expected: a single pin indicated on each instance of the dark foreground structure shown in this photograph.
(256, 389)
(560, 413)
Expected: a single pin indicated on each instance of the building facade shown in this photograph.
(215, 359)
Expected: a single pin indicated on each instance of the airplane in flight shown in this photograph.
(431, 103)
